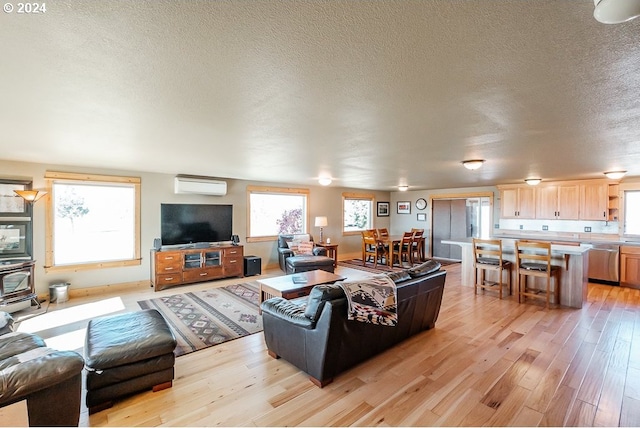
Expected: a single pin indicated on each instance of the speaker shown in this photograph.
(252, 265)
(235, 239)
(157, 244)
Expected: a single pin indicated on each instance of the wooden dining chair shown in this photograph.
(533, 259)
(371, 247)
(402, 250)
(417, 245)
(383, 232)
(487, 256)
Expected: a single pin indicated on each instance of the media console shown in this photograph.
(183, 266)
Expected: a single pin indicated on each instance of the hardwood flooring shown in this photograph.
(488, 362)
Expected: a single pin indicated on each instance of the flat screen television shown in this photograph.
(182, 224)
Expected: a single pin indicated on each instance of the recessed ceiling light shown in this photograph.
(403, 188)
(615, 175)
(473, 163)
(324, 181)
(532, 181)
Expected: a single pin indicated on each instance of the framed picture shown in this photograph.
(15, 238)
(12, 205)
(422, 216)
(404, 207)
(383, 209)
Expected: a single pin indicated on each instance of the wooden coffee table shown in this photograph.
(283, 286)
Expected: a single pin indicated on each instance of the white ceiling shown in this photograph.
(372, 93)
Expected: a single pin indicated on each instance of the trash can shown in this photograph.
(59, 293)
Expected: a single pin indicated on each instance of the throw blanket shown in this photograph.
(372, 300)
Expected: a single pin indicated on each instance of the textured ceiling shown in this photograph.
(372, 93)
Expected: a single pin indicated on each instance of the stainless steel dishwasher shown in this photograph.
(604, 262)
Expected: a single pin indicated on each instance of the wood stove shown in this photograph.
(16, 282)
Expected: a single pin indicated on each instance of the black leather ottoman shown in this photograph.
(298, 264)
(127, 353)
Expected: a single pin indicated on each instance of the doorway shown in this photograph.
(460, 218)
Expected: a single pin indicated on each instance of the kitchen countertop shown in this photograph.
(582, 240)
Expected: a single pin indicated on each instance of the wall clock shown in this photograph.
(421, 204)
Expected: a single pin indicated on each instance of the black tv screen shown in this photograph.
(195, 223)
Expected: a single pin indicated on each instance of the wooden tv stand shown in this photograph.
(184, 266)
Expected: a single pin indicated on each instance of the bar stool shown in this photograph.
(534, 259)
(487, 256)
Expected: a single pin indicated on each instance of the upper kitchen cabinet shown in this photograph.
(594, 200)
(558, 202)
(517, 201)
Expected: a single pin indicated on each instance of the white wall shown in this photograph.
(158, 188)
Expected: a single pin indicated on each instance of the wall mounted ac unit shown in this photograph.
(200, 185)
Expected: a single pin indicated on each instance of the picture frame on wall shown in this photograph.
(15, 239)
(383, 209)
(12, 205)
(422, 217)
(404, 207)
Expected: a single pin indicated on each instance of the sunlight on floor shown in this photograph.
(68, 316)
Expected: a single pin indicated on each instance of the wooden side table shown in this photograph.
(332, 251)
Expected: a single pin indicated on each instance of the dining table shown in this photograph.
(390, 241)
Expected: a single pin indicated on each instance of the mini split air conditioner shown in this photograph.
(200, 185)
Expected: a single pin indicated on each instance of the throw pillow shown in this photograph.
(424, 269)
(305, 248)
(293, 245)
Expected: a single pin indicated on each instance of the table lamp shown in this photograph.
(321, 222)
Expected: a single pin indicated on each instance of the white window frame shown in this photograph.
(348, 196)
(52, 177)
(622, 226)
(275, 191)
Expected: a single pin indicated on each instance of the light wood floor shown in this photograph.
(488, 362)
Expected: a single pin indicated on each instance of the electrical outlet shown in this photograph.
(545, 227)
(587, 229)
(521, 227)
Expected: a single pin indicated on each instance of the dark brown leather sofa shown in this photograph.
(50, 380)
(320, 340)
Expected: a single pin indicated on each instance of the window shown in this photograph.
(274, 210)
(357, 212)
(93, 221)
(632, 212)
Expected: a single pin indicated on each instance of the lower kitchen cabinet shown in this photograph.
(630, 266)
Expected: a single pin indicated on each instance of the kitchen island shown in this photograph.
(572, 260)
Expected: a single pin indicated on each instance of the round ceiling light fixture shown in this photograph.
(532, 181)
(473, 164)
(403, 188)
(324, 181)
(615, 175)
(616, 11)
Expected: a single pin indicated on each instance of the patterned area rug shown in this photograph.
(205, 318)
(368, 266)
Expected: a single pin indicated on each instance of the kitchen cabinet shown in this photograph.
(558, 201)
(594, 199)
(613, 202)
(630, 266)
(517, 202)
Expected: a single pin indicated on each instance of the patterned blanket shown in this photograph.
(372, 300)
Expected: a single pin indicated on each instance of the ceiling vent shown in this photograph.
(200, 185)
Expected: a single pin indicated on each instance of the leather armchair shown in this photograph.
(285, 252)
(50, 380)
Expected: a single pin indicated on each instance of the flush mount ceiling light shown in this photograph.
(403, 188)
(473, 163)
(532, 181)
(616, 11)
(615, 175)
(324, 181)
